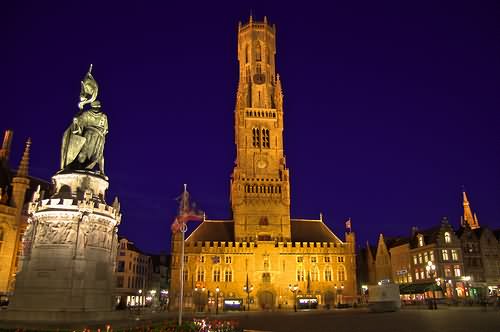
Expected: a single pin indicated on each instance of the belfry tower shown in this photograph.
(260, 188)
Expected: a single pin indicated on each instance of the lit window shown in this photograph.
(315, 274)
(341, 273)
(300, 275)
(421, 274)
(228, 276)
(300, 259)
(228, 260)
(420, 258)
(447, 271)
(431, 254)
(415, 261)
(327, 259)
(314, 259)
(426, 257)
(217, 275)
(328, 274)
(417, 276)
(445, 254)
(420, 240)
(454, 255)
(447, 237)
(200, 276)
(457, 271)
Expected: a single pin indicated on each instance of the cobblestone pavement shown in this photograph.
(360, 320)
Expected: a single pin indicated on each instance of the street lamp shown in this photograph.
(431, 270)
(247, 289)
(217, 290)
(294, 289)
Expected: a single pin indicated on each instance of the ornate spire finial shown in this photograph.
(250, 20)
(25, 160)
(7, 141)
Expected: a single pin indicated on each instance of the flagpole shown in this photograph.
(181, 303)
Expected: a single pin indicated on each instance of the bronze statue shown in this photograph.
(83, 142)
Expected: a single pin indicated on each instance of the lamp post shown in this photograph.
(217, 290)
(248, 289)
(294, 289)
(431, 270)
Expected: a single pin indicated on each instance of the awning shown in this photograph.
(418, 288)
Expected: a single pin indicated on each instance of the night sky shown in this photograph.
(389, 107)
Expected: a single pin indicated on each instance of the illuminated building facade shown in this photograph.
(16, 188)
(133, 274)
(262, 254)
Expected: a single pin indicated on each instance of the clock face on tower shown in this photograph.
(259, 78)
(261, 164)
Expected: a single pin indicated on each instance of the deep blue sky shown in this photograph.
(390, 107)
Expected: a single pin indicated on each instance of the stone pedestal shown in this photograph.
(69, 253)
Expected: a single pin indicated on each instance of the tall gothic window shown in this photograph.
(265, 138)
(185, 275)
(341, 273)
(246, 54)
(256, 137)
(328, 274)
(300, 275)
(200, 276)
(258, 52)
(315, 274)
(268, 56)
(228, 276)
(217, 275)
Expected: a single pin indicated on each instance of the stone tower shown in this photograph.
(468, 217)
(260, 188)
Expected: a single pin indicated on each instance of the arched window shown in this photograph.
(447, 237)
(341, 273)
(268, 56)
(265, 138)
(246, 54)
(256, 137)
(258, 52)
(216, 275)
(200, 275)
(315, 274)
(300, 274)
(420, 240)
(228, 275)
(328, 274)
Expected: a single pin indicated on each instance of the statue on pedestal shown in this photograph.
(83, 142)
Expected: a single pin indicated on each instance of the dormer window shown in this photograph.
(447, 237)
(420, 240)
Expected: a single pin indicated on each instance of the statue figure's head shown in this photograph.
(88, 93)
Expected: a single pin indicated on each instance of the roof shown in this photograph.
(213, 230)
(302, 231)
(396, 241)
(311, 231)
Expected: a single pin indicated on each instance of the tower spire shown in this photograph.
(22, 171)
(468, 217)
(7, 141)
